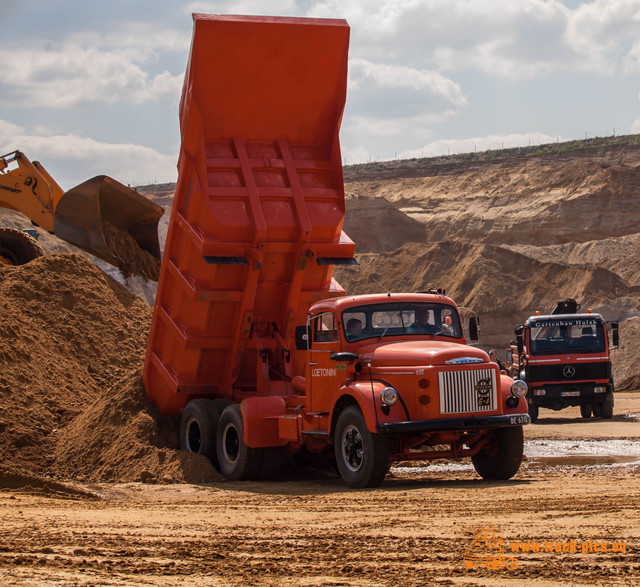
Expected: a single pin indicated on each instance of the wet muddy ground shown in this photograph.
(570, 517)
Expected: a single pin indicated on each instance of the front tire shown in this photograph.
(534, 411)
(362, 457)
(502, 458)
(198, 428)
(585, 410)
(236, 460)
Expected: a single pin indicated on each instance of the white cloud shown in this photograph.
(385, 95)
(521, 39)
(635, 126)
(67, 75)
(72, 159)
(256, 7)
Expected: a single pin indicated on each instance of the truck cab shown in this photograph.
(394, 371)
(565, 360)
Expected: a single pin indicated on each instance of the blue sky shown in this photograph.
(93, 87)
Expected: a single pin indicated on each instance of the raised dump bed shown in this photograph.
(257, 217)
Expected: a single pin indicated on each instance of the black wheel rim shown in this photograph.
(352, 448)
(231, 443)
(194, 436)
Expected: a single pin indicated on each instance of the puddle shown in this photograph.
(554, 453)
(583, 453)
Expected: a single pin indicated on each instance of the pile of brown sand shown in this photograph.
(73, 339)
(122, 437)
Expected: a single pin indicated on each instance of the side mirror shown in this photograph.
(303, 340)
(615, 334)
(474, 324)
(519, 330)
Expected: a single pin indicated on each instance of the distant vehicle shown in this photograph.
(564, 357)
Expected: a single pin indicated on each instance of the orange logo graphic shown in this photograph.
(488, 550)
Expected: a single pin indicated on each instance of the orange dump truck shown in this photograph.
(252, 340)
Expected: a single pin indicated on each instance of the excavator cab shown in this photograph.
(101, 216)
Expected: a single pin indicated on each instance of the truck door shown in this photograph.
(325, 376)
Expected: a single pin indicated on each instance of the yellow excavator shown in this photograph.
(101, 216)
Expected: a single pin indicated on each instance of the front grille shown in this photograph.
(581, 371)
(467, 391)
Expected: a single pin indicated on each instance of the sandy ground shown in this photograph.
(413, 530)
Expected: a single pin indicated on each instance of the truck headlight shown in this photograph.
(540, 391)
(519, 388)
(599, 389)
(389, 396)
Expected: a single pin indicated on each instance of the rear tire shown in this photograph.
(198, 428)
(502, 459)
(362, 457)
(236, 460)
(17, 247)
(585, 410)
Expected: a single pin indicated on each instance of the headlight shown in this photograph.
(541, 391)
(599, 389)
(519, 388)
(389, 396)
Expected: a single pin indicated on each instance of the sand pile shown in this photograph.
(73, 339)
(121, 437)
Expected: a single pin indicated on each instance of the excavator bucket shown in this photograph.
(112, 222)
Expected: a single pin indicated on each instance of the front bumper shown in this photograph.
(568, 394)
(468, 423)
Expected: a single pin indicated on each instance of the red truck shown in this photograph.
(564, 357)
(252, 341)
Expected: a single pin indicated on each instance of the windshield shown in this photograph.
(567, 336)
(401, 318)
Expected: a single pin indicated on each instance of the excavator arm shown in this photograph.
(101, 216)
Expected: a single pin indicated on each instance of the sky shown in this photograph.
(91, 88)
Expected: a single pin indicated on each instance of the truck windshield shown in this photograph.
(401, 318)
(567, 336)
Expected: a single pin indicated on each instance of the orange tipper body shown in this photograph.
(249, 340)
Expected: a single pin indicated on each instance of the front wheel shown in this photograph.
(362, 457)
(533, 413)
(605, 409)
(501, 459)
(585, 410)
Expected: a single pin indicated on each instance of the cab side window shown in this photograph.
(325, 328)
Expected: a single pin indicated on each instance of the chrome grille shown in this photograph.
(463, 391)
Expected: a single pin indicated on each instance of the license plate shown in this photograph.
(570, 394)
